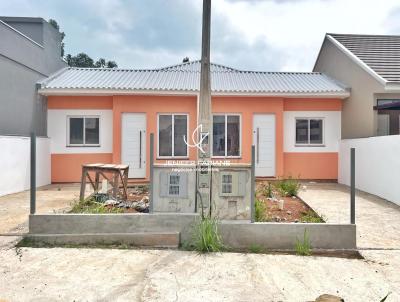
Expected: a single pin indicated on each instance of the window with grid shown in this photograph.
(226, 183)
(83, 131)
(309, 131)
(174, 182)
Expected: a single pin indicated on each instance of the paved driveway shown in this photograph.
(378, 221)
(14, 208)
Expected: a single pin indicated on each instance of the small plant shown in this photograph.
(288, 187)
(260, 211)
(303, 248)
(311, 217)
(256, 249)
(205, 237)
(91, 206)
(268, 191)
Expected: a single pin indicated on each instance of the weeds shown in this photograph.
(260, 211)
(256, 249)
(268, 190)
(205, 236)
(303, 248)
(90, 206)
(288, 187)
(311, 217)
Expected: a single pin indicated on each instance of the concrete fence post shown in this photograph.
(151, 186)
(352, 186)
(253, 184)
(33, 174)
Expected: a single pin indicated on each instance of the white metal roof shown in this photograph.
(186, 78)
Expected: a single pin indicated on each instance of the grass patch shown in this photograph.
(261, 211)
(288, 187)
(256, 249)
(311, 217)
(91, 206)
(303, 247)
(205, 236)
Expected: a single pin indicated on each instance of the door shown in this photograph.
(383, 124)
(264, 142)
(134, 143)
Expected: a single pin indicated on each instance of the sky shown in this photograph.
(265, 35)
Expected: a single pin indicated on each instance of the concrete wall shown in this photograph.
(23, 62)
(358, 117)
(15, 163)
(377, 165)
(235, 234)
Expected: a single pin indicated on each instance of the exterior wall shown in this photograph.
(358, 117)
(321, 162)
(67, 161)
(377, 162)
(23, 62)
(15, 163)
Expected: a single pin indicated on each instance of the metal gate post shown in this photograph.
(253, 180)
(352, 186)
(33, 173)
(151, 186)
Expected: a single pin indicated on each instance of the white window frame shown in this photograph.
(69, 144)
(309, 144)
(226, 141)
(173, 129)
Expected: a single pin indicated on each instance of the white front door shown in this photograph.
(134, 143)
(264, 142)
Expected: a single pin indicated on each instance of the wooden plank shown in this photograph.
(83, 184)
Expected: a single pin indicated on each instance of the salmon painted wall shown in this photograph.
(151, 105)
(247, 107)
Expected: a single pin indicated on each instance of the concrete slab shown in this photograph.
(14, 208)
(377, 219)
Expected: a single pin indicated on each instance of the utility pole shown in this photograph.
(204, 119)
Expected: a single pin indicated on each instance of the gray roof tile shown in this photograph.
(186, 77)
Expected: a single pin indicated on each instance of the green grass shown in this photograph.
(256, 249)
(205, 236)
(303, 247)
(288, 187)
(260, 211)
(311, 217)
(90, 206)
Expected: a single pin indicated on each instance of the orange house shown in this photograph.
(107, 115)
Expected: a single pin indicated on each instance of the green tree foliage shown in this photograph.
(81, 59)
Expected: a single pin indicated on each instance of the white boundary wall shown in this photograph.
(15, 163)
(377, 165)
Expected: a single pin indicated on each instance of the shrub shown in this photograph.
(268, 190)
(288, 187)
(311, 217)
(260, 211)
(205, 237)
(91, 206)
(303, 248)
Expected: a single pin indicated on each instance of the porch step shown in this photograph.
(142, 239)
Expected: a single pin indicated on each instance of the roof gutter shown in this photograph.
(110, 92)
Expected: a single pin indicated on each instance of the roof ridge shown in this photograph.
(362, 35)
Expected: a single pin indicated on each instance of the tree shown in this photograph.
(81, 59)
(62, 34)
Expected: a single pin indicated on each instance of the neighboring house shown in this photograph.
(107, 115)
(30, 50)
(370, 65)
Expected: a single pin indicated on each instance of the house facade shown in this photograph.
(107, 115)
(30, 50)
(369, 64)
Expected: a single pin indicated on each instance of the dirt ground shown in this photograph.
(14, 208)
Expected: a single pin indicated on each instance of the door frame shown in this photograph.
(275, 143)
(145, 140)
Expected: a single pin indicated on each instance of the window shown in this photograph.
(226, 183)
(226, 135)
(83, 131)
(309, 131)
(173, 186)
(172, 128)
